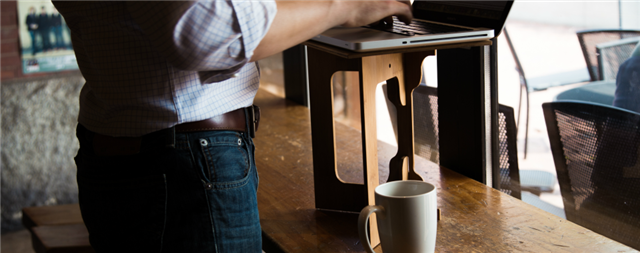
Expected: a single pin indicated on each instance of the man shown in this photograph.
(32, 26)
(166, 156)
(44, 25)
(56, 28)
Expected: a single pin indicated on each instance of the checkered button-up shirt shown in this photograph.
(151, 65)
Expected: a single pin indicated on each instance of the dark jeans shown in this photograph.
(34, 46)
(57, 32)
(46, 40)
(191, 192)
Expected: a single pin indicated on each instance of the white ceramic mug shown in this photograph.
(406, 212)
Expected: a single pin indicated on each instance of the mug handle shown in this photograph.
(363, 222)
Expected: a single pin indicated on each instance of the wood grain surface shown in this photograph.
(51, 215)
(475, 218)
(62, 238)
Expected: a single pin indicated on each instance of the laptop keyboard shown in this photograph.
(417, 28)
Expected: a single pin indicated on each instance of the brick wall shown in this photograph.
(11, 64)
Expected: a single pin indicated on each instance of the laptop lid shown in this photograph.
(486, 14)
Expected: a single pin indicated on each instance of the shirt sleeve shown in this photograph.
(216, 38)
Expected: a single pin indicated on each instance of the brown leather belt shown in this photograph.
(231, 121)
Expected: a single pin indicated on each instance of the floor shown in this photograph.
(16, 242)
(546, 52)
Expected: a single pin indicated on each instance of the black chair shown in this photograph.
(595, 150)
(425, 122)
(612, 54)
(506, 178)
(589, 39)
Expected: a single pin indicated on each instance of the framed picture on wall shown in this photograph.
(45, 40)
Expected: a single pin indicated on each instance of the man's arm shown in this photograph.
(297, 21)
(223, 35)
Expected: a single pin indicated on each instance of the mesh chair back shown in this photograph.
(425, 123)
(425, 110)
(508, 178)
(590, 38)
(595, 151)
(612, 54)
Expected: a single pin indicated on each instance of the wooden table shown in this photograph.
(475, 217)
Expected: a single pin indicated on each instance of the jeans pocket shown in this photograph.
(235, 216)
(127, 211)
(227, 161)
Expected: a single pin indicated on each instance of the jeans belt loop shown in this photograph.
(254, 119)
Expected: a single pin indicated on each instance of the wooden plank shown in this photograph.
(51, 215)
(375, 69)
(295, 74)
(462, 111)
(332, 192)
(70, 238)
(475, 217)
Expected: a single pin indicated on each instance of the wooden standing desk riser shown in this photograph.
(475, 217)
(402, 69)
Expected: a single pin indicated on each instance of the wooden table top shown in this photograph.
(475, 217)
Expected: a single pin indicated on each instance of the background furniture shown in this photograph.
(595, 150)
(57, 228)
(612, 54)
(523, 85)
(599, 92)
(506, 176)
(425, 109)
(475, 217)
(590, 38)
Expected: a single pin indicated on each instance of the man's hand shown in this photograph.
(361, 13)
(298, 21)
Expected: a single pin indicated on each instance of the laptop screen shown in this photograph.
(487, 14)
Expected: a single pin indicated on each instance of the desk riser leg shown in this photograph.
(375, 69)
(462, 111)
(330, 192)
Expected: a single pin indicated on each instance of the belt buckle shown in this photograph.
(254, 117)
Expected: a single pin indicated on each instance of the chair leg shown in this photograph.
(526, 125)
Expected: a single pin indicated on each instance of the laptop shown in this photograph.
(435, 23)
